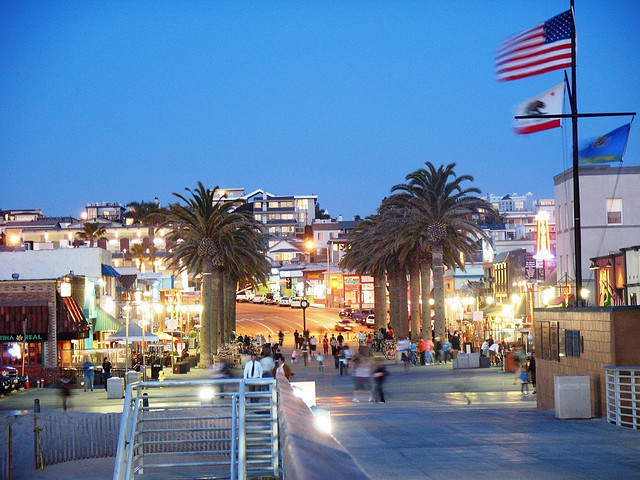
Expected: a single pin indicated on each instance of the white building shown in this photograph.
(609, 216)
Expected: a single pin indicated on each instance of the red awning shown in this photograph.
(71, 321)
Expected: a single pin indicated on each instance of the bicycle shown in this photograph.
(389, 348)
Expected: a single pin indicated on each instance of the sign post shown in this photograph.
(304, 303)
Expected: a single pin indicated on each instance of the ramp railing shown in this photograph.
(216, 428)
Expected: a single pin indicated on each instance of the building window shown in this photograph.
(302, 204)
(546, 335)
(572, 343)
(614, 211)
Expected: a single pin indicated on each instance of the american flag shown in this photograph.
(615, 297)
(538, 50)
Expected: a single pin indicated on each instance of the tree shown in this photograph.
(445, 211)
(212, 238)
(150, 214)
(91, 232)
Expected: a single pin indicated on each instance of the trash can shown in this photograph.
(155, 371)
(115, 387)
(132, 377)
(180, 367)
(572, 396)
(511, 362)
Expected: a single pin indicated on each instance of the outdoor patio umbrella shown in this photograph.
(163, 337)
(135, 334)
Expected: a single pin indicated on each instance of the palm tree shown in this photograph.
(365, 255)
(210, 238)
(150, 214)
(444, 211)
(91, 232)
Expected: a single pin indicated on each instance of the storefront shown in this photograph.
(38, 326)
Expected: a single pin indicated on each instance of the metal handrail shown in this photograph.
(162, 419)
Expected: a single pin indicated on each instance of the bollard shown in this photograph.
(36, 405)
(42, 383)
(38, 383)
(145, 401)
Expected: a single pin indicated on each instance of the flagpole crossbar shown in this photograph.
(577, 115)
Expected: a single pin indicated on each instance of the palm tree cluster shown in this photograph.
(221, 243)
(427, 223)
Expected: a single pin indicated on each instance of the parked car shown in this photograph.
(343, 325)
(10, 379)
(360, 316)
(295, 302)
(270, 299)
(6, 384)
(258, 298)
(244, 297)
(346, 312)
(370, 322)
(285, 302)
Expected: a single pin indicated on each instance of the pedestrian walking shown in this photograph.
(379, 376)
(524, 381)
(65, 391)
(89, 367)
(325, 345)
(106, 371)
(320, 360)
(361, 377)
(280, 338)
(281, 367)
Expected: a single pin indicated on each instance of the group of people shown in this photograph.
(425, 351)
(270, 363)
(89, 367)
(368, 377)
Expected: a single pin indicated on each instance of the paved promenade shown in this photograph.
(437, 423)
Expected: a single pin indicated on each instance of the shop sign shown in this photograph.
(351, 280)
(19, 337)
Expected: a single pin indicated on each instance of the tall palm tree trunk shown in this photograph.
(394, 308)
(438, 291)
(425, 282)
(380, 300)
(229, 306)
(403, 305)
(217, 330)
(208, 314)
(414, 287)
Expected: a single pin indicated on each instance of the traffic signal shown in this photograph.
(288, 282)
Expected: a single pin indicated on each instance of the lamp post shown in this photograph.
(327, 280)
(24, 341)
(127, 309)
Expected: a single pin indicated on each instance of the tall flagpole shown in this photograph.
(576, 174)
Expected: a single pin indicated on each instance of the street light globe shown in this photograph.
(489, 300)
(584, 293)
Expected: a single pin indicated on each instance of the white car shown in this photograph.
(370, 321)
(244, 297)
(295, 302)
(258, 299)
(284, 302)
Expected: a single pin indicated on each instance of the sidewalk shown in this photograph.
(437, 423)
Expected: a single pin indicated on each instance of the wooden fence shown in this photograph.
(64, 437)
(6, 448)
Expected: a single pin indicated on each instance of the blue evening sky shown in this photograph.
(120, 101)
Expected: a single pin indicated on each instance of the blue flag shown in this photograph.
(607, 148)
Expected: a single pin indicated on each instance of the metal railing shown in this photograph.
(221, 428)
(623, 396)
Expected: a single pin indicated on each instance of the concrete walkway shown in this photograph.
(437, 423)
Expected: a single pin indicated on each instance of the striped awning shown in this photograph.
(105, 322)
(71, 322)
